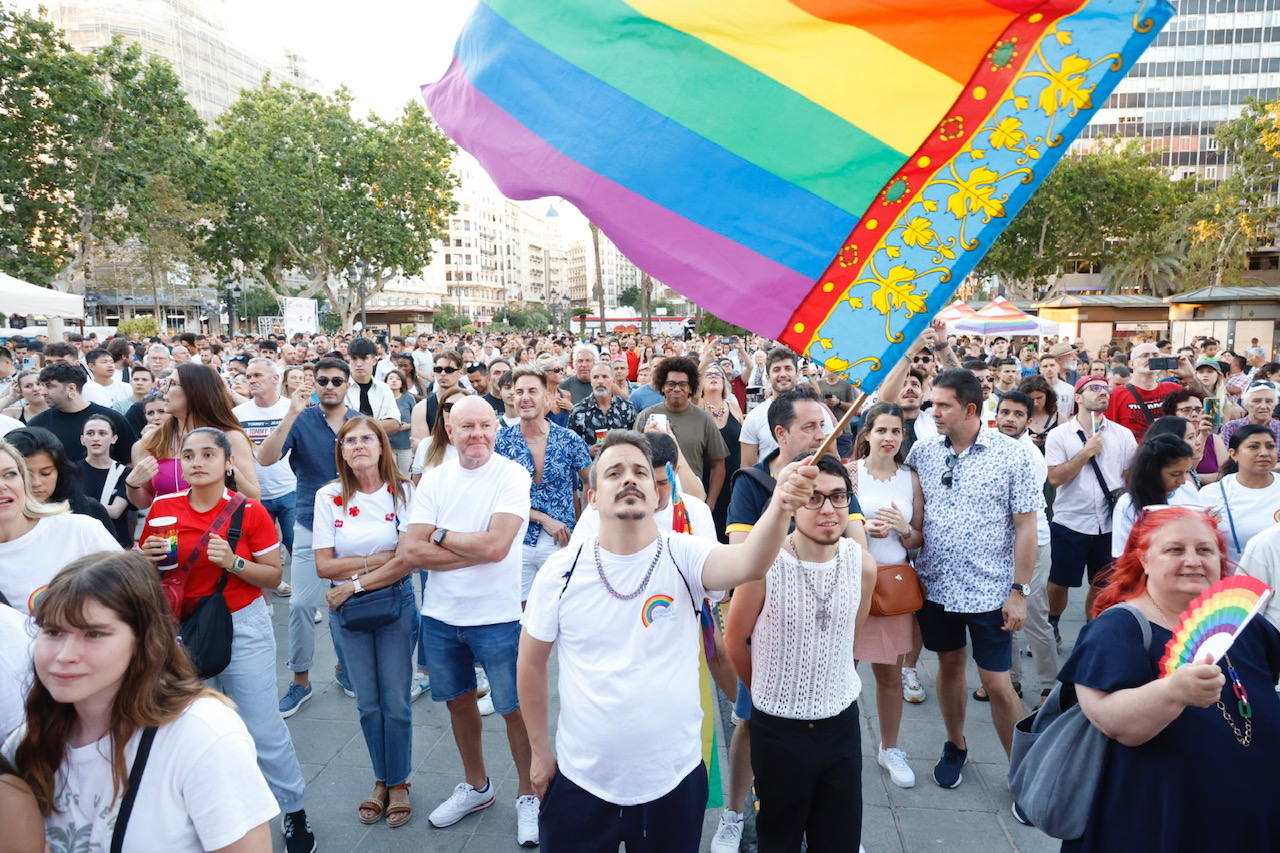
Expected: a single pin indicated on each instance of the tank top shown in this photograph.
(168, 479)
(800, 670)
(1209, 461)
(874, 495)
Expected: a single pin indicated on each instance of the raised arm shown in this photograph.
(272, 447)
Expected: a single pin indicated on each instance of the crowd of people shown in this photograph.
(610, 499)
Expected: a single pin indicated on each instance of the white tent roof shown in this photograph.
(19, 297)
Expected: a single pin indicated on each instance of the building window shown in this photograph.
(1211, 173)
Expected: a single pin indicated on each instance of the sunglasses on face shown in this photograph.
(335, 381)
(921, 359)
(440, 368)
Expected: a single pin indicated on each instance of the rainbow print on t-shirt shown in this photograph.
(654, 607)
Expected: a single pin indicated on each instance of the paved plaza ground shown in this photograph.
(973, 818)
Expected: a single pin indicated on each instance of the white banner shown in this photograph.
(300, 315)
(270, 325)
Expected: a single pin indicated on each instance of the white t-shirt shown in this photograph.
(755, 429)
(630, 716)
(201, 789)
(1252, 510)
(369, 523)
(1261, 560)
(1066, 394)
(106, 395)
(8, 424)
(15, 668)
(465, 500)
(1041, 469)
(277, 479)
(700, 519)
(28, 563)
(1124, 515)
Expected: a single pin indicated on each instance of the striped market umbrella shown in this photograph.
(956, 311)
(1001, 317)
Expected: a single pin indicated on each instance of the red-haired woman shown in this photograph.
(1197, 748)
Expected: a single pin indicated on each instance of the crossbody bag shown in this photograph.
(1231, 521)
(208, 632)
(374, 608)
(131, 793)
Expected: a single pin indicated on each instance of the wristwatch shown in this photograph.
(238, 565)
(1024, 588)
(438, 536)
(355, 582)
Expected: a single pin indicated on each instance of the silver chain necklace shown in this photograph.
(644, 583)
(824, 611)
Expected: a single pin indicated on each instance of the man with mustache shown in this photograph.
(626, 604)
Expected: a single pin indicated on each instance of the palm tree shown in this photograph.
(598, 293)
(1153, 267)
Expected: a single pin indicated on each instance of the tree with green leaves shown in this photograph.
(309, 190)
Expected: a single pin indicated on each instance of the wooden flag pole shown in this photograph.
(825, 447)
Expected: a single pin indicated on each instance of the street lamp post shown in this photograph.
(358, 277)
(232, 290)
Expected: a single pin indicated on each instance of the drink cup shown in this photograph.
(600, 434)
(166, 527)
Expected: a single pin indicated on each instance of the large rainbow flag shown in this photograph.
(823, 172)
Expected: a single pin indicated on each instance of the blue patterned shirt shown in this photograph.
(566, 457)
(966, 563)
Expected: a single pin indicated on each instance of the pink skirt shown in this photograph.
(883, 639)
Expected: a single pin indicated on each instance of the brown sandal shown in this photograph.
(371, 809)
(399, 811)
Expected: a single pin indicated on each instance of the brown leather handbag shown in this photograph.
(898, 590)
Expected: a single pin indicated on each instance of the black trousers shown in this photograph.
(572, 820)
(809, 782)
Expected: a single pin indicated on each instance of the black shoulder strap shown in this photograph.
(759, 477)
(572, 566)
(1141, 401)
(131, 794)
(233, 537)
(1097, 472)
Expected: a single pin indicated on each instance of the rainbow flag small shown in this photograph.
(822, 172)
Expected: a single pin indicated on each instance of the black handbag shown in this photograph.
(208, 632)
(371, 610)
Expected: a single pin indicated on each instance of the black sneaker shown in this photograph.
(1057, 635)
(298, 837)
(947, 771)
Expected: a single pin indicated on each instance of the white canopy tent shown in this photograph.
(29, 300)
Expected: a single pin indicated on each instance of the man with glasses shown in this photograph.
(309, 436)
(1136, 404)
(979, 554)
(1087, 458)
(695, 430)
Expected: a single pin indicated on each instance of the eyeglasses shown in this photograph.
(357, 440)
(335, 381)
(555, 370)
(1187, 410)
(1096, 386)
(839, 500)
(676, 386)
(949, 475)
(440, 368)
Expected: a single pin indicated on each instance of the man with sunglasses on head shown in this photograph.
(309, 436)
(981, 497)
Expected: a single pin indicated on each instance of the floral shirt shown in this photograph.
(586, 417)
(966, 564)
(566, 456)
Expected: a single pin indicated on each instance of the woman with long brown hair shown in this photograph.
(196, 398)
(358, 520)
(436, 447)
(110, 676)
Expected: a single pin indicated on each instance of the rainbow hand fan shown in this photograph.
(1212, 621)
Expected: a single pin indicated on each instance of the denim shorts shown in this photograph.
(943, 631)
(454, 650)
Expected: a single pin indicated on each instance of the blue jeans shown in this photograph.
(423, 577)
(250, 681)
(284, 511)
(381, 671)
(308, 596)
(454, 650)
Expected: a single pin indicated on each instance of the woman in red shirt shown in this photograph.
(198, 521)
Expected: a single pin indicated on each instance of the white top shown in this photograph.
(875, 495)
(201, 789)
(926, 427)
(700, 519)
(1066, 394)
(1080, 503)
(278, 479)
(1124, 515)
(369, 523)
(630, 719)
(755, 428)
(1261, 560)
(463, 499)
(423, 364)
(15, 668)
(106, 395)
(1042, 475)
(8, 424)
(1251, 510)
(424, 447)
(28, 563)
(381, 400)
(798, 670)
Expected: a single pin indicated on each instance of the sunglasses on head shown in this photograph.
(335, 381)
(440, 368)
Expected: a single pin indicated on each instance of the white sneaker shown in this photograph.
(895, 761)
(284, 590)
(421, 684)
(482, 682)
(485, 704)
(728, 834)
(911, 689)
(463, 801)
(318, 616)
(527, 820)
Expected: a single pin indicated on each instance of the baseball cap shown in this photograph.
(1212, 362)
(1087, 380)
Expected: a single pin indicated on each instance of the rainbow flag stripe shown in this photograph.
(824, 172)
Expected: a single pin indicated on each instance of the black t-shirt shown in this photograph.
(92, 481)
(68, 426)
(496, 403)
(137, 416)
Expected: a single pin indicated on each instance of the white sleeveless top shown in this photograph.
(799, 670)
(874, 495)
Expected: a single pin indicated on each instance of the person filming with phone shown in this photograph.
(1136, 404)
